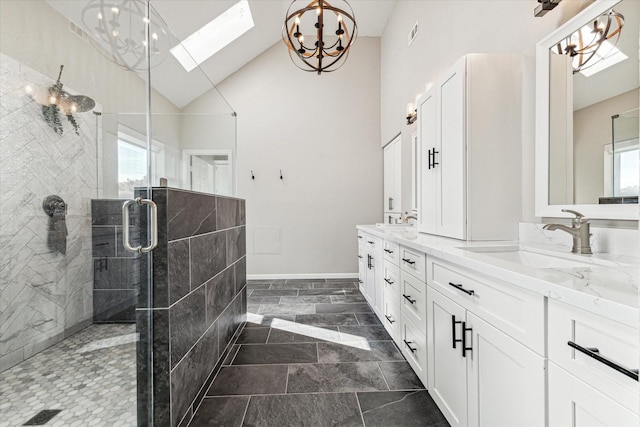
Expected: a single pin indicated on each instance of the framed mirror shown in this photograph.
(587, 152)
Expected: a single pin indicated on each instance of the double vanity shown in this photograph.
(506, 335)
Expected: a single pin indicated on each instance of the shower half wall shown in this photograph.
(45, 295)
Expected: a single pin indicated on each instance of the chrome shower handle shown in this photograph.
(153, 223)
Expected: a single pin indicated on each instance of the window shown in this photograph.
(132, 166)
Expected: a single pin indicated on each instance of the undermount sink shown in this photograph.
(528, 259)
(403, 225)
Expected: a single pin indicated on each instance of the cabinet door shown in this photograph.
(505, 379)
(428, 139)
(451, 155)
(574, 403)
(373, 284)
(362, 268)
(447, 369)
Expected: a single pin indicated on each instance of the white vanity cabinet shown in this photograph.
(469, 127)
(592, 363)
(481, 335)
(370, 268)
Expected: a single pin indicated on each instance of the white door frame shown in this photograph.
(186, 170)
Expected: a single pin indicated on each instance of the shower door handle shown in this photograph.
(153, 225)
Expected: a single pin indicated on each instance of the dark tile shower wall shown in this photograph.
(116, 272)
(199, 299)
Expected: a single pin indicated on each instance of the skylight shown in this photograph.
(214, 36)
(606, 56)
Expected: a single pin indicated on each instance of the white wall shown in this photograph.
(323, 132)
(448, 30)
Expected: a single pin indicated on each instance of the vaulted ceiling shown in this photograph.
(184, 17)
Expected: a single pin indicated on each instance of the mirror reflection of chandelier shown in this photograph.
(119, 29)
(320, 52)
(594, 43)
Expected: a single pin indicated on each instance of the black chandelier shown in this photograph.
(324, 53)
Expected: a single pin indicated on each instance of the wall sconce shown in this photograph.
(412, 112)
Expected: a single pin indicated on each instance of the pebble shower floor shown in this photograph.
(90, 377)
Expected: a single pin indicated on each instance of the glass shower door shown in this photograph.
(75, 328)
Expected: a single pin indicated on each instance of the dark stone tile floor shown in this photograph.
(313, 353)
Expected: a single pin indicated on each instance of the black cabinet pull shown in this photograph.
(408, 261)
(369, 265)
(370, 242)
(595, 353)
(464, 339)
(434, 158)
(359, 237)
(360, 256)
(391, 282)
(408, 344)
(460, 288)
(429, 159)
(389, 319)
(454, 340)
(408, 298)
(390, 204)
(360, 281)
(388, 251)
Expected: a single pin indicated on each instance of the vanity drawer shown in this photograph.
(373, 244)
(391, 316)
(618, 343)
(414, 347)
(391, 277)
(515, 311)
(413, 300)
(391, 252)
(413, 262)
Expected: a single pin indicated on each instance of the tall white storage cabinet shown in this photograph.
(469, 126)
(392, 180)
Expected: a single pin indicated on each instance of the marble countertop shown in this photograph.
(602, 284)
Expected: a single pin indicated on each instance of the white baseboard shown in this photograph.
(302, 276)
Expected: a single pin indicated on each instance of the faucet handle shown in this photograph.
(579, 217)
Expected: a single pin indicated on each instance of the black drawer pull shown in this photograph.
(408, 261)
(595, 353)
(408, 298)
(454, 340)
(360, 256)
(360, 281)
(359, 237)
(460, 288)
(391, 282)
(370, 242)
(408, 344)
(388, 251)
(389, 319)
(464, 339)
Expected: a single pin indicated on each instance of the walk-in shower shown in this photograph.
(76, 307)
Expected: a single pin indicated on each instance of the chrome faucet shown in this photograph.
(406, 218)
(579, 230)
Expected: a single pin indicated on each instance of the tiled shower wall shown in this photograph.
(199, 299)
(44, 295)
(116, 272)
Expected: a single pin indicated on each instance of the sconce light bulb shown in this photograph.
(74, 107)
(99, 15)
(154, 36)
(410, 109)
(53, 99)
(339, 18)
(301, 39)
(28, 89)
(318, 10)
(297, 20)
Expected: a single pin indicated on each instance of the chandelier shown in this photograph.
(321, 52)
(593, 42)
(119, 27)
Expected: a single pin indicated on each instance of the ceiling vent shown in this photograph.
(412, 34)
